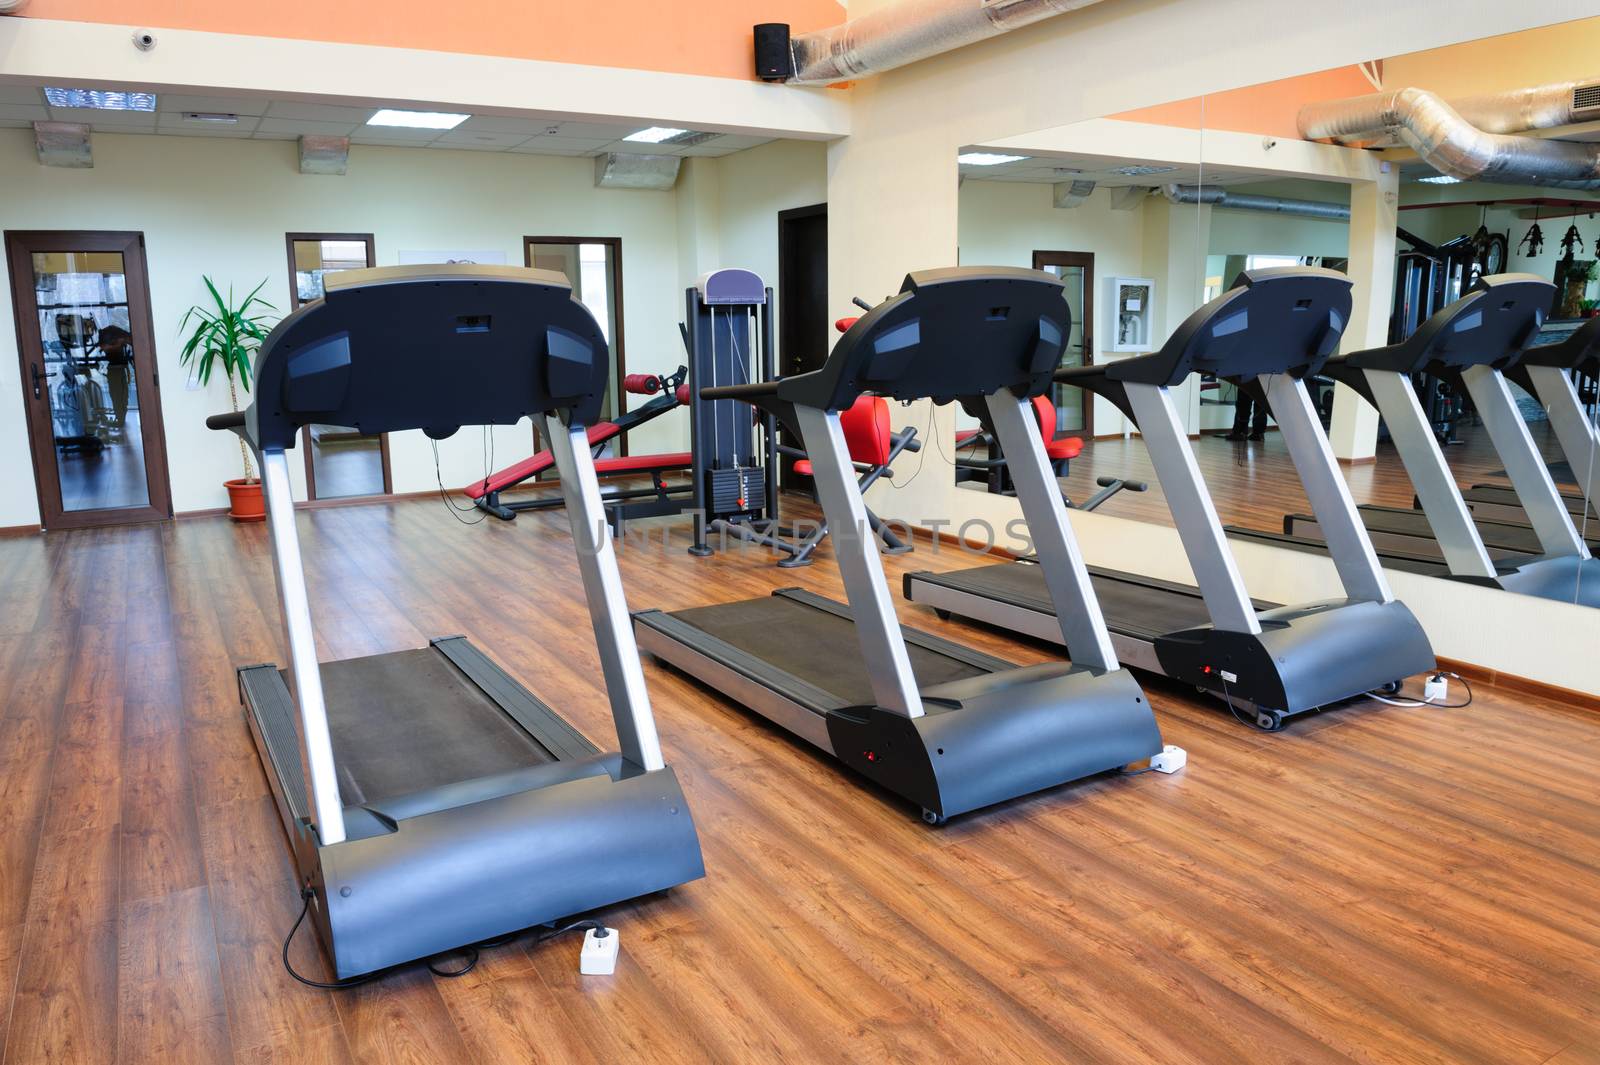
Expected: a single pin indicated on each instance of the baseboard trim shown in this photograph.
(1525, 685)
(8, 532)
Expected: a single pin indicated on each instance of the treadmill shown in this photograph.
(948, 728)
(431, 801)
(1469, 342)
(1269, 333)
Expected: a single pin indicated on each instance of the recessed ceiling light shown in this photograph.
(417, 119)
(1440, 179)
(209, 116)
(1142, 171)
(655, 134)
(987, 158)
(101, 99)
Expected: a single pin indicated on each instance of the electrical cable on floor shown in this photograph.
(438, 476)
(1419, 703)
(472, 950)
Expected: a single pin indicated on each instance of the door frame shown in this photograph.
(289, 241)
(20, 246)
(785, 243)
(1085, 260)
(615, 244)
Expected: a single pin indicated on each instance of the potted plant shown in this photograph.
(230, 334)
(1591, 308)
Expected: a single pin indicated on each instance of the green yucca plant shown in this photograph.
(230, 334)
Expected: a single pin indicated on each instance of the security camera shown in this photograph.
(144, 40)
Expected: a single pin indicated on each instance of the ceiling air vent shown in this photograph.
(1586, 97)
(618, 170)
(690, 139)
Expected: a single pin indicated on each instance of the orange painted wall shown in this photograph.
(1268, 108)
(684, 37)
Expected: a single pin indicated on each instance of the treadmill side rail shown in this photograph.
(295, 604)
(1348, 543)
(602, 586)
(1083, 626)
(856, 547)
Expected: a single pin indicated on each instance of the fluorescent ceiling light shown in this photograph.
(215, 117)
(655, 134)
(417, 119)
(987, 158)
(1142, 171)
(1440, 179)
(101, 99)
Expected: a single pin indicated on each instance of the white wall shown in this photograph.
(221, 207)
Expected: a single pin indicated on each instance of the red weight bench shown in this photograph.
(660, 497)
(1059, 450)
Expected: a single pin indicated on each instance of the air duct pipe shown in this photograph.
(12, 7)
(1453, 145)
(1216, 196)
(908, 31)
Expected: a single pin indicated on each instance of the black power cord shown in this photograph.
(472, 951)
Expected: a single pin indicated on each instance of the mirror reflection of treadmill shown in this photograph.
(1272, 330)
(1476, 344)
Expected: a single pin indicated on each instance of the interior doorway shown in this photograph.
(341, 461)
(89, 380)
(1074, 406)
(804, 330)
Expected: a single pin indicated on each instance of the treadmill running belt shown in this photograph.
(410, 721)
(1141, 608)
(1497, 536)
(818, 647)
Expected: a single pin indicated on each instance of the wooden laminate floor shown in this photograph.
(1374, 885)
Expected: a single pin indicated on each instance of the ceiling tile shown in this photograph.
(297, 126)
(386, 142)
(603, 131)
(177, 124)
(537, 146)
(710, 150)
(739, 140)
(24, 112)
(484, 141)
(269, 135)
(572, 144)
(22, 95)
(112, 120)
(528, 127)
(393, 135)
(319, 112)
(14, 123)
(225, 105)
(641, 148)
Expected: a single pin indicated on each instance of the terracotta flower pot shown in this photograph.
(245, 500)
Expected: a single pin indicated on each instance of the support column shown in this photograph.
(1374, 216)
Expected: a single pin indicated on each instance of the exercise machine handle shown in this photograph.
(641, 384)
(843, 324)
(233, 420)
(859, 302)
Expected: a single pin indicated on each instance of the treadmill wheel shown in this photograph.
(1391, 688)
(933, 818)
(944, 615)
(1269, 720)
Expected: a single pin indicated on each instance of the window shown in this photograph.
(341, 463)
(593, 265)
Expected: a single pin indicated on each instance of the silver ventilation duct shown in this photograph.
(1453, 145)
(1072, 193)
(12, 7)
(1242, 201)
(908, 31)
(64, 144)
(322, 154)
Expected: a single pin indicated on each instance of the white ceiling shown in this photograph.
(1099, 169)
(261, 118)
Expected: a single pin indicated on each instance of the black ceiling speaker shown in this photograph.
(773, 61)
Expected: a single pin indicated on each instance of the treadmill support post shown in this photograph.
(304, 674)
(1436, 487)
(602, 586)
(1577, 435)
(1192, 510)
(1083, 626)
(894, 686)
(1342, 528)
(1536, 491)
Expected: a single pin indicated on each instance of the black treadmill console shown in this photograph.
(1285, 319)
(959, 331)
(1491, 325)
(431, 348)
(1579, 350)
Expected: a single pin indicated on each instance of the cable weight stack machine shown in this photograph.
(728, 333)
